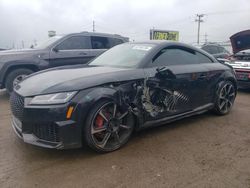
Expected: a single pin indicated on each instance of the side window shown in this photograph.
(221, 49)
(202, 58)
(206, 48)
(100, 42)
(73, 43)
(214, 49)
(210, 49)
(115, 41)
(174, 56)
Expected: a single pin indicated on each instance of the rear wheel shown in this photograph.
(14, 77)
(108, 127)
(225, 97)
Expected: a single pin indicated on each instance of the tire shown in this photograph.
(106, 131)
(225, 96)
(15, 75)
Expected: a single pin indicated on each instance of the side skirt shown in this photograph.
(170, 119)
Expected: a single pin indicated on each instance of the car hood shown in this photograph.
(21, 51)
(8, 55)
(74, 79)
(240, 41)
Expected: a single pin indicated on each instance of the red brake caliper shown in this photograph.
(99, 121)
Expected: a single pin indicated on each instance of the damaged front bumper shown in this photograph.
(45, 125)
(58, 136)
(42, 138)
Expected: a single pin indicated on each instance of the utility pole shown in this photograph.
(93, 25)
(199, 20)
(206, 37)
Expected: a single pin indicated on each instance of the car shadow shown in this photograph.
(185, 122)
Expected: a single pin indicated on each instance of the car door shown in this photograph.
(215, 71)
(71, 51)
(188, 88)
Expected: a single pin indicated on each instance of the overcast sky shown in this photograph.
(29, 20)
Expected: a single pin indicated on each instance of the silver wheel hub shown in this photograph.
(226, 97)
(18, 79)
(114, 128)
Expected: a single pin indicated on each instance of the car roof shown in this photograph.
(164, 44)
(86, 33)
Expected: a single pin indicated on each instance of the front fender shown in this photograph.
(87, 98)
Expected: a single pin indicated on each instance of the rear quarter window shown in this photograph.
(202, 58)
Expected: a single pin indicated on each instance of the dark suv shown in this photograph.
(71, 49)
(216, 50)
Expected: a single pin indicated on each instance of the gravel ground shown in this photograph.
(201, 151)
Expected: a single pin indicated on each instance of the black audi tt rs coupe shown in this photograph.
(129, 87)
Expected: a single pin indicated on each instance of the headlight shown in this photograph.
(56, 98)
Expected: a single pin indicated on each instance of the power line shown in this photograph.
(199, 20)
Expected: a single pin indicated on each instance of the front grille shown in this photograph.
(46, 132)
(17, 105)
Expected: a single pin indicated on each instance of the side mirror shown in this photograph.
(55, 50)
(165, 73)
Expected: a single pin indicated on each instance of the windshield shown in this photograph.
(48, 42)
(124, 55)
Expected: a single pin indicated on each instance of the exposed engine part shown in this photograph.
(156, 100)
(148, 105)
(172, 99)
(149, 96)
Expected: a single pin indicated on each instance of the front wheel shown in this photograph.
(15, 77)
(225, 97)
(108, 127)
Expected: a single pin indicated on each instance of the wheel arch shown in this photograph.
(91, 97)
(226, 76)
(11, 68)
(234, 82)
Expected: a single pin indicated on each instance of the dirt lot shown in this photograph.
(202, 151)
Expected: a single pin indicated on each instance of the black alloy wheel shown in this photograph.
(108, 127)
(225, 98)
